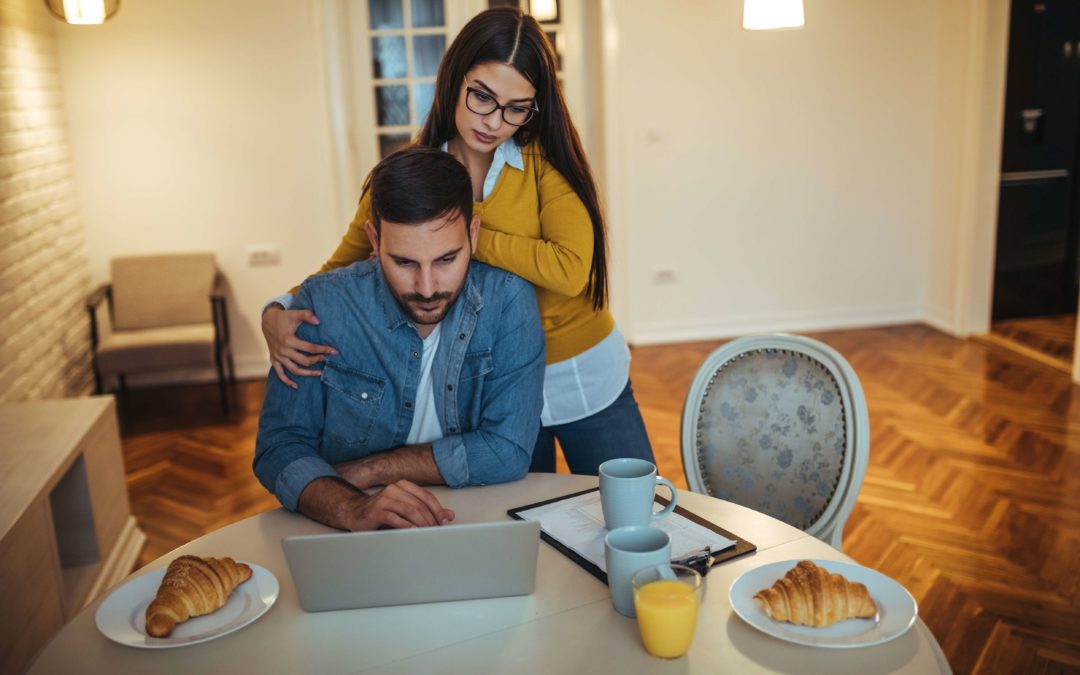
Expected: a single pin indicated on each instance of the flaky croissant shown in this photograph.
(192, 587)
(811, 596)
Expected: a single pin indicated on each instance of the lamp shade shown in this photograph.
(772, 14)
(83, 12)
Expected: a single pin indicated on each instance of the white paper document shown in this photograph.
(578, 524)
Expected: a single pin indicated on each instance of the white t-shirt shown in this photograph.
(425, 422)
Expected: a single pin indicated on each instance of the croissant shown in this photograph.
(811, 596)
(192, 587)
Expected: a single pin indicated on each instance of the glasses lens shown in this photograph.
(479, 102)
(517, 115)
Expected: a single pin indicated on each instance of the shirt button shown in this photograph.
(363, 395)
(453, 430)
(408, 404)
(450, 387)
(415, 354)
(461, 336)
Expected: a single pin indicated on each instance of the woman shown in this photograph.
(499, 110)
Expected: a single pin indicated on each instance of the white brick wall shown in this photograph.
(44, 280)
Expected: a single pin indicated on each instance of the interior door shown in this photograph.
(1037, 244)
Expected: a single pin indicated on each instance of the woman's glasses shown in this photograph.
(483, 103)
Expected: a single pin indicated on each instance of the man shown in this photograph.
(439, 370)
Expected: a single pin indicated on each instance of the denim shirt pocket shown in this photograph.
(471, 388)
(353, 399)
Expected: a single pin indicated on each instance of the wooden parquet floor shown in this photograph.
(1049, 336)
(971, 499)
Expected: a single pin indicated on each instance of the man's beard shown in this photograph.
(408, 302)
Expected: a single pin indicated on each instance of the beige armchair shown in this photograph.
(160, 313)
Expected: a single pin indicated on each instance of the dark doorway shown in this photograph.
(1038, 238)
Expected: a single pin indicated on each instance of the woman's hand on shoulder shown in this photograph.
(288, 352)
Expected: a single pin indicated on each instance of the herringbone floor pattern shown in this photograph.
(1050, 336)
(971, 500)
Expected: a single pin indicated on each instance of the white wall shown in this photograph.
(790, 181)
(785, 177)
(970, 114)
(201, 125)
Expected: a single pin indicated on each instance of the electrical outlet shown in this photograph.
(663, 276)
(264, 255)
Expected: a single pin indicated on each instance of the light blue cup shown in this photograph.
(628, 550)
(627, 489)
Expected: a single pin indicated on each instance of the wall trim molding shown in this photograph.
(943, 320)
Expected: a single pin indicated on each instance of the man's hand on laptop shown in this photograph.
(336, 503)
(401, 504)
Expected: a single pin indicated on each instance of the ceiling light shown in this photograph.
(83, 12)
(772, 14)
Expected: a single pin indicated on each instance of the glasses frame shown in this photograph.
(498, 106)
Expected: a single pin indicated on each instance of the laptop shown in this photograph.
(350, 570)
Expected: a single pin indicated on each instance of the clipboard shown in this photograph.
(741, 547)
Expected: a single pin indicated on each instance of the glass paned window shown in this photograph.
(427, 51)
(423, 97)
(385, 14)
(388, 57)
(392, 105)
(391, 142)
(408, 39)
(427, 13)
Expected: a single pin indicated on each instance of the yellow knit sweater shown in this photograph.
(534, 225)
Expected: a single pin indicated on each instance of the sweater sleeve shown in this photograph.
(354, 246)
(560, 260)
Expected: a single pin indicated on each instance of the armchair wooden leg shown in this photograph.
(222, 388)
(122, 397)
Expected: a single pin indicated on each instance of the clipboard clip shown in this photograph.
(699, 560)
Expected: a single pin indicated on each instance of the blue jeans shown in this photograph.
(615, 431)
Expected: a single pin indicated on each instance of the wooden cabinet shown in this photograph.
(66, 529)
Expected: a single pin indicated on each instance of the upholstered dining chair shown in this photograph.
(160, 313)
(778, 423)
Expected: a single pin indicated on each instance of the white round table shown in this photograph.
(567, 625)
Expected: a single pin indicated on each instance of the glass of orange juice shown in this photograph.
(666, 599)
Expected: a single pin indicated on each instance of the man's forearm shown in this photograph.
(331, 501)
(414, 463)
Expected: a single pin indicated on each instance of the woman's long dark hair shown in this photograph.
(506, 35)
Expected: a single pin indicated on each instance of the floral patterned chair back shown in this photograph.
(778, 423)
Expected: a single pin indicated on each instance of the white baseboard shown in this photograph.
(943, 320)
(647, 333)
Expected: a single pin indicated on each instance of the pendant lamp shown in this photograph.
(83, 12)
(772, 14)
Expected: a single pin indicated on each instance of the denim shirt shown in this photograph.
(488, 378)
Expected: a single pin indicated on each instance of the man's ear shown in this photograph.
(474, 229)
(373, 237)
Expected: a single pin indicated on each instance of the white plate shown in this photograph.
(122, 616)
(896, 608)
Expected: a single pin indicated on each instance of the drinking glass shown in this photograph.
(667, 598)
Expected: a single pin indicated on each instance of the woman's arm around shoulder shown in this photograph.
(561, 258)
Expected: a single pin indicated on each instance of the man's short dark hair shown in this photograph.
(417, 185)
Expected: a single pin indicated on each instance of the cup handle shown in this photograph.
(666, 511)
